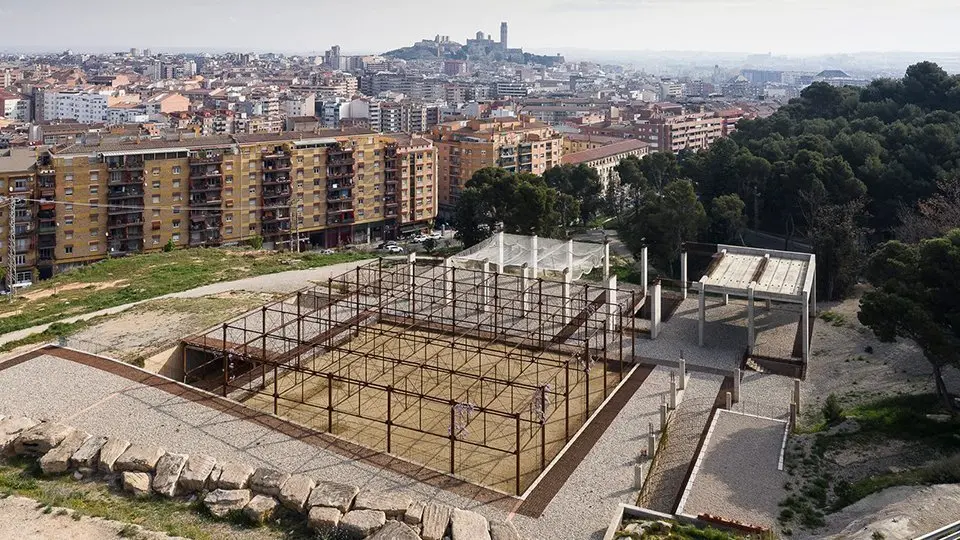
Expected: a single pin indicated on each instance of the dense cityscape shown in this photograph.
(469, 289)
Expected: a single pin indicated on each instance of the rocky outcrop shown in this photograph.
(39, 439)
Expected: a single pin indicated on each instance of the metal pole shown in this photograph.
(516, 417)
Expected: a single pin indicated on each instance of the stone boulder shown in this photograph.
(323, 519)
(503, 530)
(362, 523)
(268, 481)
(57, 461)
(392, 504)
(221, 502)
(414, 514)
(139, 458)
(467, 525)
(137, 483)
(295, 491)
(394, 530)
(110, 452)
(333, 495)
(436, 519)
(40, 439)
(230, 475)
(10, 428)
(196, 473)
(86, 457)
(260, 509)
(169, 467)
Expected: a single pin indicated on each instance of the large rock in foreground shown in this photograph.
(10, 428)
(362, 523)
(268, 481)
(139, 458)
(58, 460)
(394, 530)
(231, 475)
(221, 502)
(468, 525)
(40, 439)
(260, 509)
(436, 519)
(137, 483)
(168, 472)
(295, 491)
(111, 452)
(196, 473)
(333, 495)
(86, 457)
(392, 504)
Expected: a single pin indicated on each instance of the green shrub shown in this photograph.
(832, 411)
(256, 242)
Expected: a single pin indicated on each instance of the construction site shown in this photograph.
(483, 365)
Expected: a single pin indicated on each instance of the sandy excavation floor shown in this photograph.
(25, 519)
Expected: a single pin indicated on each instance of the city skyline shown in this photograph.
(815, 26)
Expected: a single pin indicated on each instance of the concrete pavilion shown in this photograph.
(758, 274)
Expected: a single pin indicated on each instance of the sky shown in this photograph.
(789, 27)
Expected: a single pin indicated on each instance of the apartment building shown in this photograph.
(578, 142)
(466, 146)
(110, 198)
(605, 158)
(18, 178)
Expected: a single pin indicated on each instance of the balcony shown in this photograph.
(125, 165)
(124, 179)
(201, 173)
(340, 220)
(127, 235)
(47, 228)
(202, 159)
(271, 180)
(205, 186)
(206, 201)
(118, 210)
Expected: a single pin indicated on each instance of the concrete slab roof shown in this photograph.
(775, 275)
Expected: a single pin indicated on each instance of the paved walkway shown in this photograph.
(282, 282)
(584, 505)
(665, 480)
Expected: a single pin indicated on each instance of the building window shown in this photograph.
(155, 199)
(175, 237)
(156, 184)
(176, 169)
(155, 171)
(228, 217)
(94, 189)
(68, 191)
(155, 239)
(94, 232)
(176, 183)
(68, 220)
(176, 224)
(68, 249)
(68, 178)
(94, 176)
(94, 246)
(228, 230)
(156, 212)
(176, 209)
(68, 235)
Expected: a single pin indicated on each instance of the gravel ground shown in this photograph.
(738, 476)
(665, 480)
(584, 505)
(767, 395)
(723, 343)
(22, 520)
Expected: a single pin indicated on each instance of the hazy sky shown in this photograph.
(761, 26)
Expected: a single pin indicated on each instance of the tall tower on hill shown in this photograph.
(503, 35)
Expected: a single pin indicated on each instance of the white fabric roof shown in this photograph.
(552, 255)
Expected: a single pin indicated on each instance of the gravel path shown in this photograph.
(584, 505)
(665, 480)
(738, 476)
(283, 282)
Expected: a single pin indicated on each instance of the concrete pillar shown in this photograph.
(751, 319)
(655, 315)
(683, 372)
(805, 328)
(637, 476)
(663, 416)
(813, 295)
(500, 252)
(796, 394)
(606, 259)
(726, 299)
(793, 417)
(411, 274)
(484, 288)
(736, 385)
(612, 303)
(651, 443)
(565, 293)
(701, 314)
(534, 255)
(524, 285)
(643, 269)
(570, 255)
(673, 390)
(447, 280)
(729, 398)
(683, 273)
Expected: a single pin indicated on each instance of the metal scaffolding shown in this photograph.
(478, 373)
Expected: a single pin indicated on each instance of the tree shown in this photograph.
(660, 168)
(519, 203)
(917, 297)
(727, 220)
(580, 182)
(934, 216)
(667, 221)
(631, 176)
(839, 242)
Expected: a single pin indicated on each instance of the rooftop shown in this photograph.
(17, 160)
(620, 147)
(777, 275)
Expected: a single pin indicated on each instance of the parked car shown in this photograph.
(327, 252)
(385, 245)
(419, 239)
(394, 249)
(436, 235)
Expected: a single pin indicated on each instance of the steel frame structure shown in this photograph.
(500, 354)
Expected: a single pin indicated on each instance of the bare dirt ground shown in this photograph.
(151, 327)
(25, 519)
(897, 513)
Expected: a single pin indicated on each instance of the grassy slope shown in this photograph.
(148, 276)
